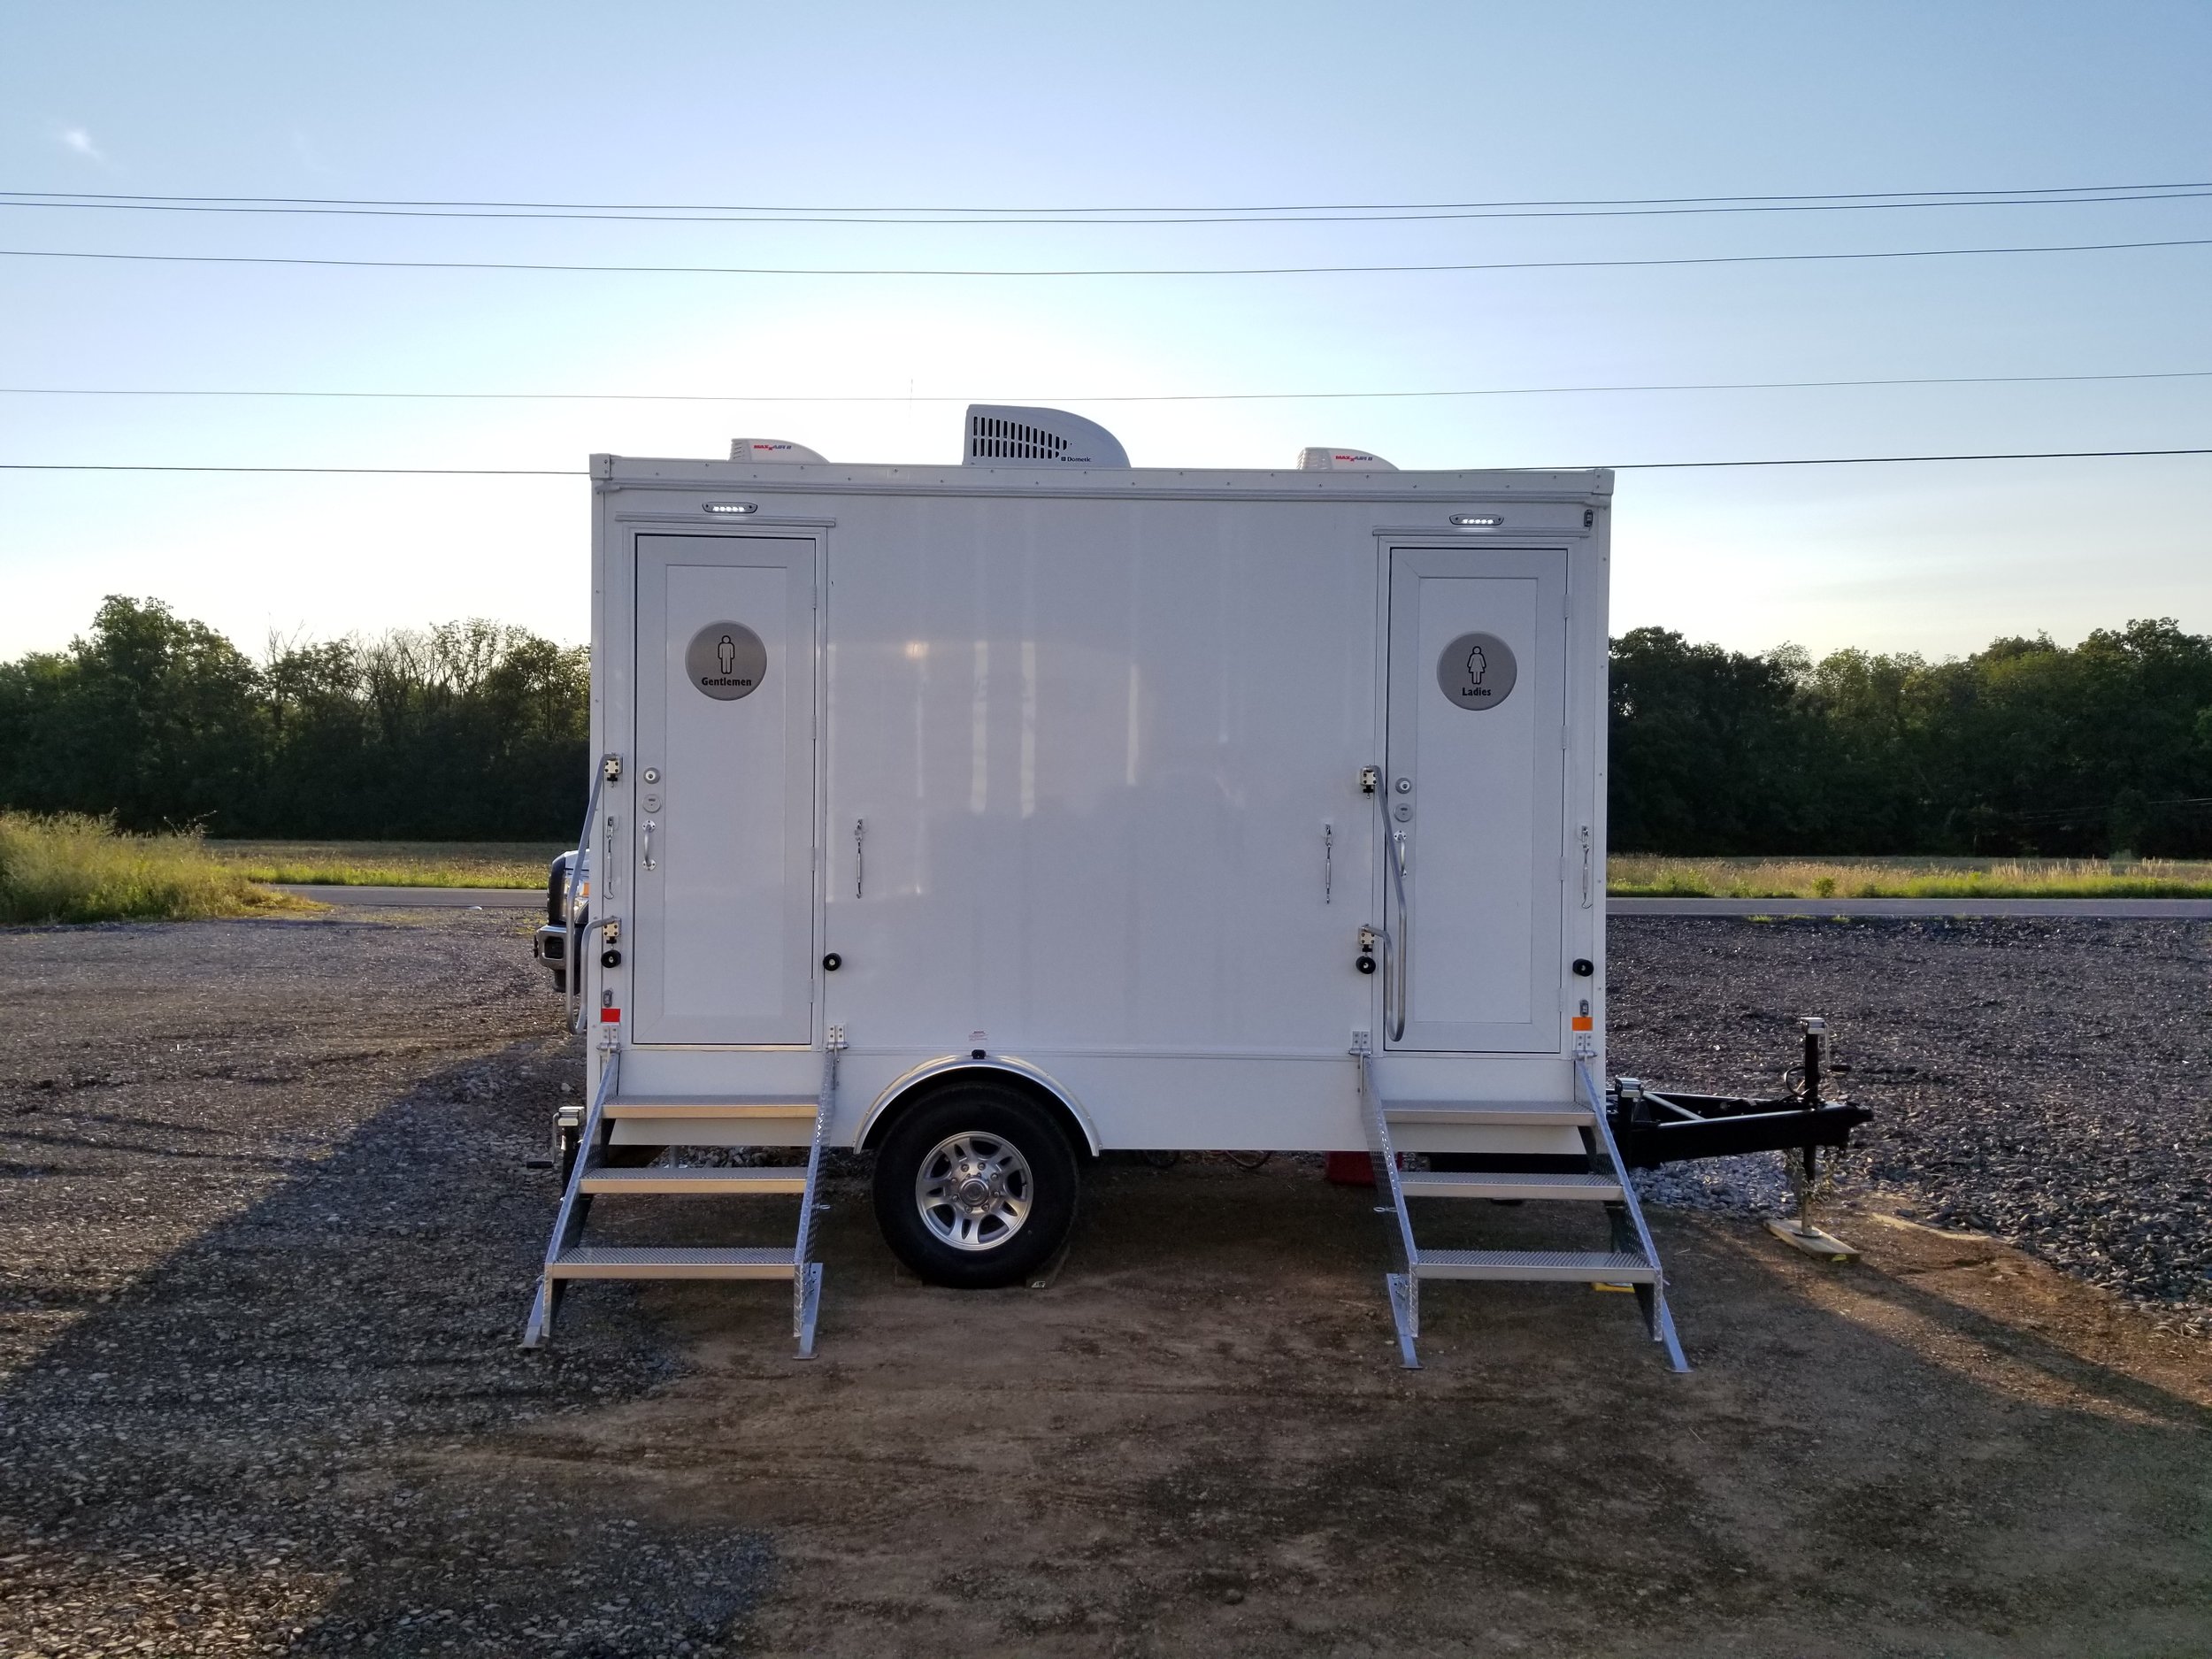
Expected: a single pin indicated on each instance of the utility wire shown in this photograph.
(1057, 398)
(645, 216)
(1615, 466)
(372, 471)
(1191, 271)
(2052, 191)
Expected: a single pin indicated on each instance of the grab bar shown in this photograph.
(1401, 937)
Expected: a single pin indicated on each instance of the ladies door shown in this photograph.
(1472, 797)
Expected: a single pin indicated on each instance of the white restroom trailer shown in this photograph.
(995, 816)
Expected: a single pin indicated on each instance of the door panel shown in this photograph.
(723, 944)
(1477, 646)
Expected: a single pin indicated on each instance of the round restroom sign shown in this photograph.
(726, 661)
(1477, 672)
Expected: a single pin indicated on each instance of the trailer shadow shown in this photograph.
(269, 1426)
(313, 1422)
(1198, 1439)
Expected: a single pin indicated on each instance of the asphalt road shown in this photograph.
(423, 898)
(2099, 910)
(2096, 909)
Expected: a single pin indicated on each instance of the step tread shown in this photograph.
(1482, 1114)
(712, 1106)
(1495, 1184)
(604, 1261)
(1616, 1266)
(680, 1178)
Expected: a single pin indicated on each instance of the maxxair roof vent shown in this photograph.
(771, 449)
(1002, 435)
(1332, 458)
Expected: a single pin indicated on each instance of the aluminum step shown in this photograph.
(713, 1106)
(1487, 1113)
(1484, 1184)
(603, 1260)
(741, 1182)
(1611, 1267)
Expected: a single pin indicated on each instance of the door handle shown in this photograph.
(645, 843)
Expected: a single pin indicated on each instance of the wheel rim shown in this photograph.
(974, 1191)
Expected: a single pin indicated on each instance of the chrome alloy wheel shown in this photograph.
(974, 1191)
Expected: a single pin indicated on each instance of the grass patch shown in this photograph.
(390, 864)
(1645, 876)
(74, 869)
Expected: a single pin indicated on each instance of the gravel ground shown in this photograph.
(2044, 1082)
(257, 1179)
(268, 1220)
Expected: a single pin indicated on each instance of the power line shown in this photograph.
(1307, 215)
(2054, 191)
(1106, 397)
(1884, 460)
(372, 472)
(1191, 271)
(1617, 467)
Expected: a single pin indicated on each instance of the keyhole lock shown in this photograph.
(1405, 785)
(652, 774)
(1403, 812)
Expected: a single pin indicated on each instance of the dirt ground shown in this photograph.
(267, 1228)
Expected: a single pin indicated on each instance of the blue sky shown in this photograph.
(958, 106)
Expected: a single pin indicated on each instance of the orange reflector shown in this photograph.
(1582, 1022)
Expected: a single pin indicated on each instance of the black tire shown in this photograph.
(999, 1118)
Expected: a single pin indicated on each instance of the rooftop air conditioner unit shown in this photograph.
(999, 435)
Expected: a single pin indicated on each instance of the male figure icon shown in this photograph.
(726, 652)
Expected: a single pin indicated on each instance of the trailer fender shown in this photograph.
(902, 1087)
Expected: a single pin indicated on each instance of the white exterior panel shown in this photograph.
(1085, 786)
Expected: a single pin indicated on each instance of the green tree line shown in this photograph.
(2025, 747)
(469, 731)
(477, 730)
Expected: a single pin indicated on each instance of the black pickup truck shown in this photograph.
(551, 945)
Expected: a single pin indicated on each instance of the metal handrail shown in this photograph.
(1601, 1128)
(568, 1221)
(1405, 1285)
(806, 1273)
(573, 944)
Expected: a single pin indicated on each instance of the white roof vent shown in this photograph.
(1337, 459)
(771, 449)
(1001, 434)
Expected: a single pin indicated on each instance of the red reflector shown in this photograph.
(610, 1016)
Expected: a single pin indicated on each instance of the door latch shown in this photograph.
(1370, 780)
